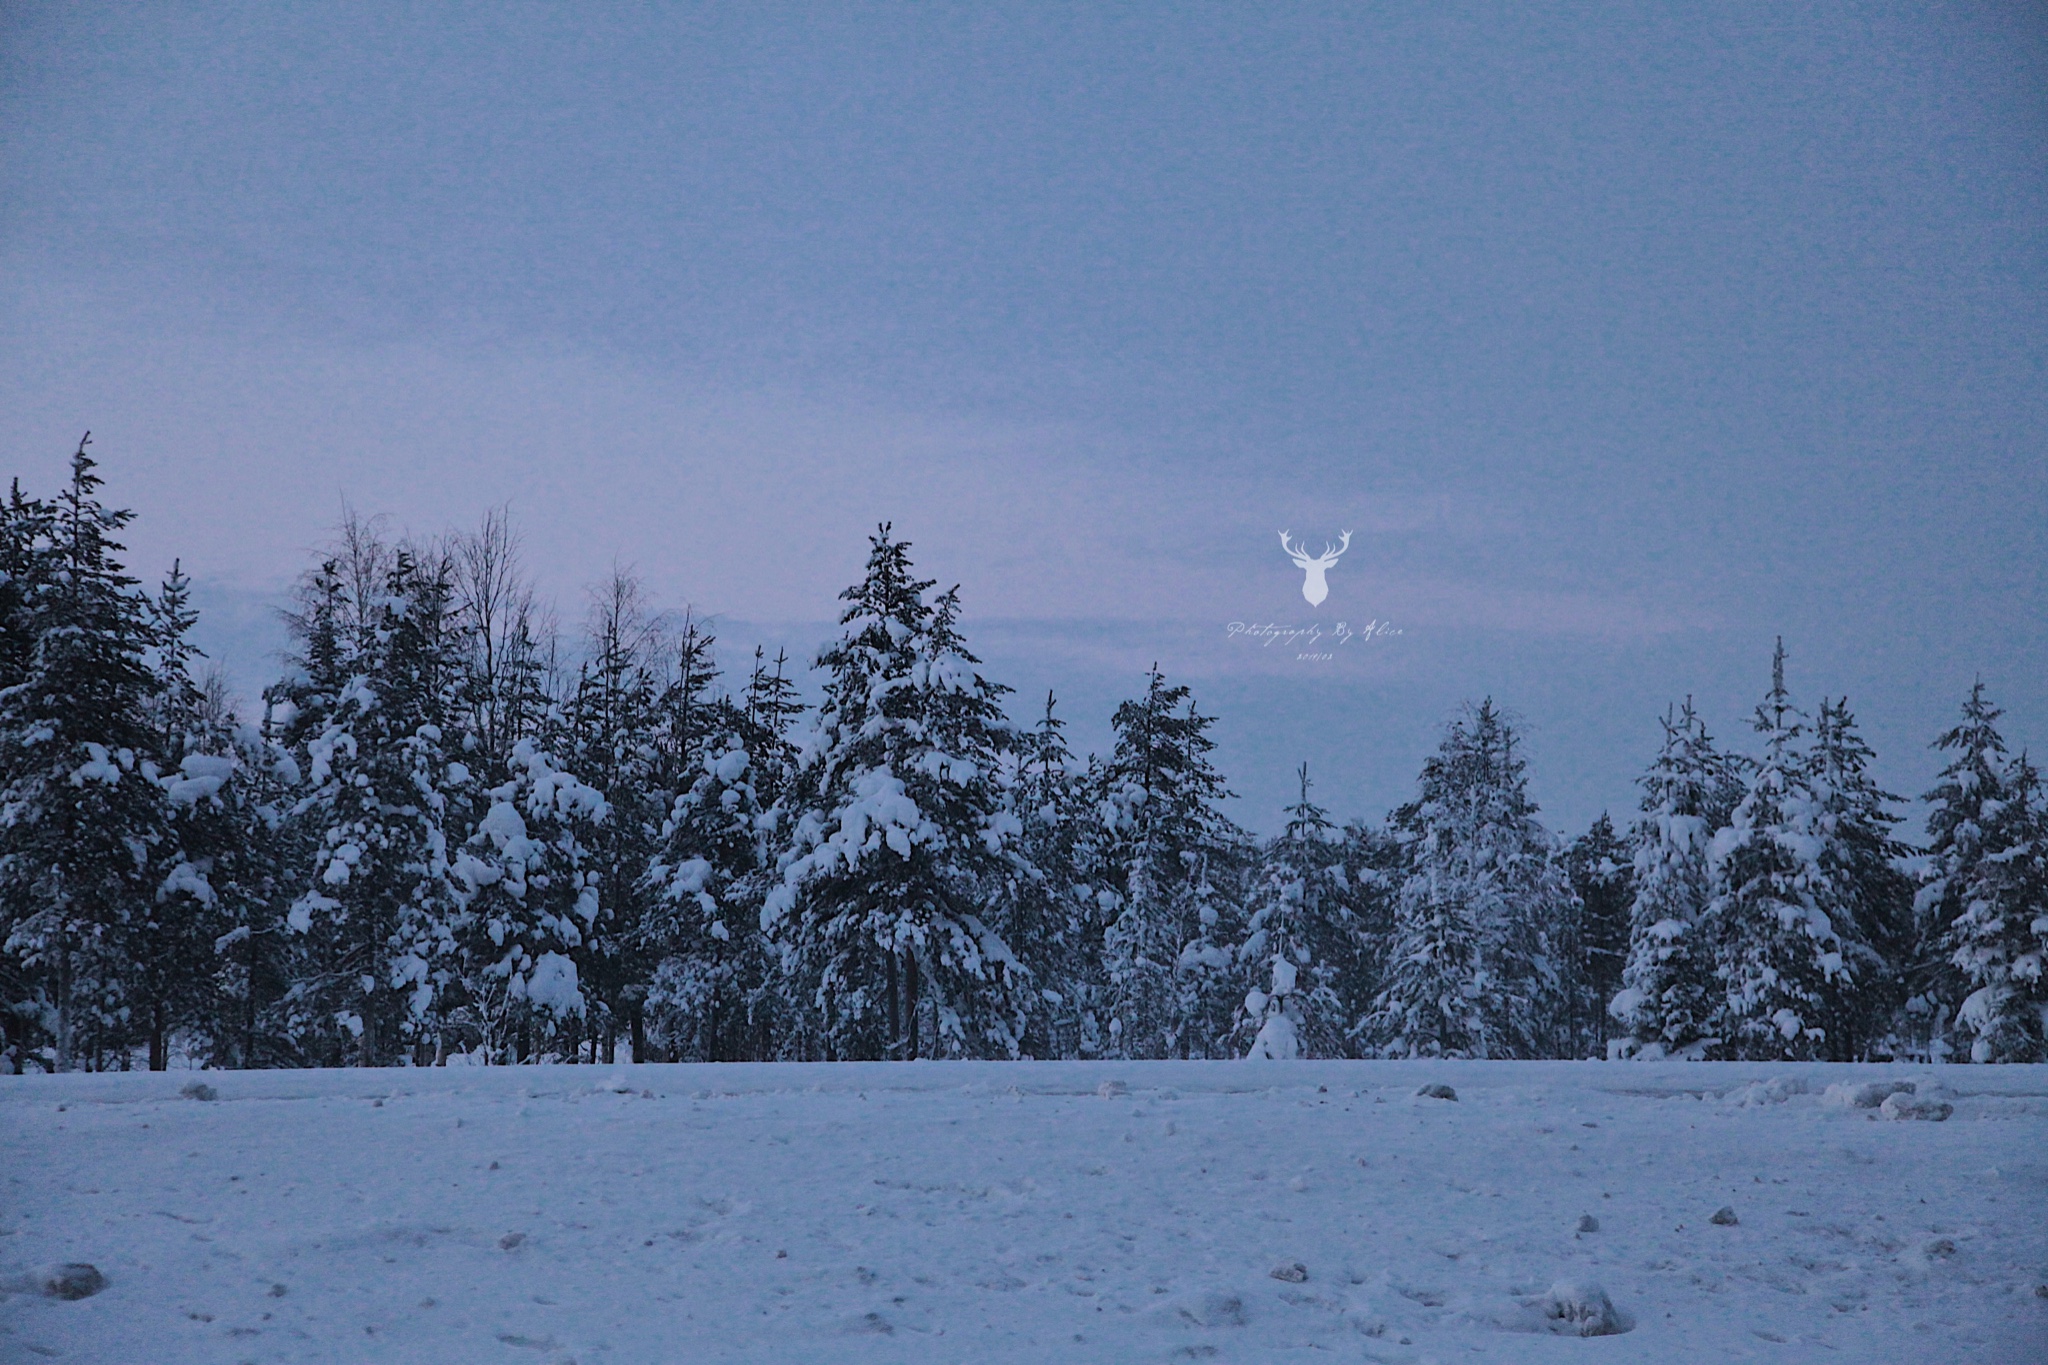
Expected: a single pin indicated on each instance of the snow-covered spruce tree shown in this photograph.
(176, 975)
(229, 795)
(1780, 959)
(1966, 829)
(1601, 866)
(377, 912)
(1053, 919)
(769, 708)
(524, 900)
(1997, 945)
(1169, 942)
(712, 995)
(1670, 996)
(902, 833)
(613, 722)
(1471, 972)
(82, 818)
(1866, 892)
(1373, 861)
(26, 570)
(1298, 939)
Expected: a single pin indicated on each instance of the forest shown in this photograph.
(452, 835)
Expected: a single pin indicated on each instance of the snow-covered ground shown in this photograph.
(1026, 1212)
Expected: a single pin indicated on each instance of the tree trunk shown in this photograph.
(64, 1002)
(910, 1002)
(159, 1044)
(249, 1008)
(895, 1008)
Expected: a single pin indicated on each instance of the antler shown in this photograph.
(1297, 554)
(1331, 554)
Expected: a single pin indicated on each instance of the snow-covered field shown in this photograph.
(1027, 1212)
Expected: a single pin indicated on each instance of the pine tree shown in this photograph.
(1601, 867)
(901, 836)
(27, 527)
(1964, 826)
(1780, 959)
(229, 799)
(1998, 943)
(1167, 947)
(525, 899)
(1472, 971)
(613, 719)
(1372, 863)
(712, 994)
(170, 970)
(1052, 917)
(1862, 888)
(82, 819)
(378, 908)
(1669, 999)
(769, 709)
(1299, 938)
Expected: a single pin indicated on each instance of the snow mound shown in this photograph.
(1776, 1090)
(1436, 1092)
(1724, 1217)
(1109, 1090)
(1904, 1105)
(1294, 1272)
(198, 1090)
(1863, 1094)
(1583, 1310)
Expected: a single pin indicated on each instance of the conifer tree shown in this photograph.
(1862, 886)
(1669, 1000)
(613, 718)
(1167, 946)
(82, 819)
(769, 708)
(902, 833)
(1780, 958)
(1299, 939)
(378, 909)
(525, 898)
(229, 797)
(1997, 944)
(1052, 916)
(1472, 971)
(1966, 828)
(713, 991)
(1601, 866)
(170, 967)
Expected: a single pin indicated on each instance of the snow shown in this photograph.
(553, 985)
(203, 776)
(1029, 1212)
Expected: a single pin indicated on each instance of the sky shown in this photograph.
(1623, 341)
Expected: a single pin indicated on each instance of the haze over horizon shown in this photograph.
(1623, 341)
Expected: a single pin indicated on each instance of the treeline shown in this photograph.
(449, 837)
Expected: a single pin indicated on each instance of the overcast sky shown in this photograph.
(1622, 340)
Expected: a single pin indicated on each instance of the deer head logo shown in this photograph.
(1315, 566)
